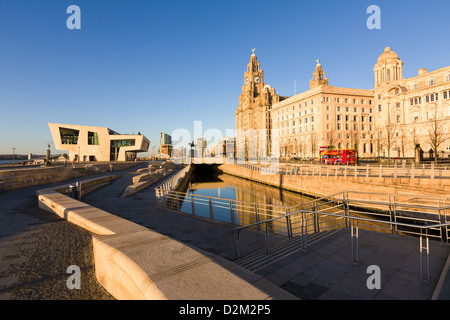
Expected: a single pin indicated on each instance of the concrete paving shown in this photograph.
(324, 272)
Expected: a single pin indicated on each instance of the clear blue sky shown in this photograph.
(152, 66)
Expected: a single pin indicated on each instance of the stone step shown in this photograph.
(261, 259)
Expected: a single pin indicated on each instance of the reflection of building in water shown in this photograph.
(271, 201)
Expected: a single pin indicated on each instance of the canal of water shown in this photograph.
(214, 183)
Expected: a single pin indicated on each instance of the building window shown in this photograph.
(93, 138)
(397, 118)
(69, 136)
(431, 82)
(379, 108)
(447, 77)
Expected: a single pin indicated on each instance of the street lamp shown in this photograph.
(13, 149)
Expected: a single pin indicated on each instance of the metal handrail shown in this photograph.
(424, 246)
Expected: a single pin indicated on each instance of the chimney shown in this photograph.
(422, 71)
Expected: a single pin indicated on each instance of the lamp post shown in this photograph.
(13, 149)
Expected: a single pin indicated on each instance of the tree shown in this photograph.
(332, 140)
(436, 132)
(390, 138)
(404, 142)
(313, 141)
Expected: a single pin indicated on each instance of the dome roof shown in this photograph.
(387, 54)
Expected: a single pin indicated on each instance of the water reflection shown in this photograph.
(240, 201)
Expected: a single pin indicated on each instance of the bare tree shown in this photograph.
(436, 133)
(332, 140)
(355, 138)
(313, 141)
(404, 142)
(390, 138)
(378, 138)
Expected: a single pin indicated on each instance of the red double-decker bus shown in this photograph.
(337, 156)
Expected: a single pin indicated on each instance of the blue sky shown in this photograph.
(153, 66)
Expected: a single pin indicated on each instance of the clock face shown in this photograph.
(257, 80)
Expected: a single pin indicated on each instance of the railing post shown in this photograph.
(380, 173)
(305, 234)
(289, 226)
(412, 170)
(442, 220)
(393, 217)
(237, 243)
(211, 213)
(267, 238)
(232, 213)
(316, 218)
(346, 210)
(192, 204)
(424, 246)
(258, 226)
(355, 240)
(177, 203)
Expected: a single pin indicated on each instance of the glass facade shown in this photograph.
(115, 147)
(93, 138)
(69, 136)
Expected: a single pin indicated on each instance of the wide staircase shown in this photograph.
(261, 259)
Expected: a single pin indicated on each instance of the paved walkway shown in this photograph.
(326, 271)
(37, 243)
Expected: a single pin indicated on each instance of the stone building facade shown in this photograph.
(390, 120)
(324, 116)
(411, 111)
(253, 118)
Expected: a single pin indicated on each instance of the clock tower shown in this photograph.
(253, 122)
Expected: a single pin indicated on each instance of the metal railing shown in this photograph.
(396, 216)
(174, 180)
(395, 171)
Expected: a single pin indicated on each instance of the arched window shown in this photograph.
(431, 82)
(447, 77)
(415, 86)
